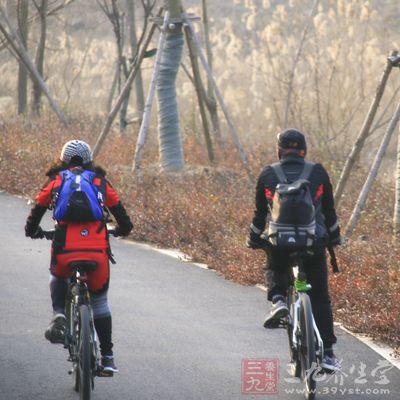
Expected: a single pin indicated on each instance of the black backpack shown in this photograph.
(292, 225)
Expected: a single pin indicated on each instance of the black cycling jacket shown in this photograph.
(321, 191)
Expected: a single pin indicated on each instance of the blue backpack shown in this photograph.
(78, 199)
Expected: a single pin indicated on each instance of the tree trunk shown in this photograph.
(171, 150)
(39, 59)
(125, 90)
(210, 100)
(134, 43)
(220, 99)
(23, 13)
(200, 93)
(372, 174)
(364, 132)
(396, 217)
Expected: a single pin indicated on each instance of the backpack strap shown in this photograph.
(305, 173)
(308, 167)
(280, 174)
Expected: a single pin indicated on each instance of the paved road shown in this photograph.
(181, 332)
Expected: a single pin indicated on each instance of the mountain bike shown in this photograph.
(305, 344)
(306, 348)
(80, 337)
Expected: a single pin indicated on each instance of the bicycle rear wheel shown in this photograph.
(307, 347)
(72, 312)
(294, 356)
(84, 369)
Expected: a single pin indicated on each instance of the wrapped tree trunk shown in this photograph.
(171, 151)
(23, 12)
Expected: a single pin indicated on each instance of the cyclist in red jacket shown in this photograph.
(79, 241)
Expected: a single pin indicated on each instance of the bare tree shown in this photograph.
(355, 216)
(218, 94)
(210, 99)
(23, 27)
(365, 129)
(111, 9)
(130, 6)
(125, 90)
(39, 59)
(200, 92)
(296, 61)
(18, 50)
(112, 12)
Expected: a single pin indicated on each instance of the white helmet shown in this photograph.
(76, 148)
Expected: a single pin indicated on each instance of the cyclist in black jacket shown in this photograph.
(292, 149)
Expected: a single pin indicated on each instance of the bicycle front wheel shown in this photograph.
(84, 357)
(307, 346)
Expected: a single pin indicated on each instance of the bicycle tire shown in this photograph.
(295, 367)
(73, 337)
(307, 346)
(84, 358)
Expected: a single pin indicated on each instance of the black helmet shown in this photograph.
(292, 139)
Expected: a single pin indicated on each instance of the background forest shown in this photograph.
(313, 65)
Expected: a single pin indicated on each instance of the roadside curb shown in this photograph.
(382, 349)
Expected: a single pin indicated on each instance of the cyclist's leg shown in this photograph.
(277, 273)
(317, 275)
(59, 279)
(277, 281)
(102, 321)
(98, 282)
(58, 290)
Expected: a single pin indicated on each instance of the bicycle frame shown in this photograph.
(78, 294)
(294, 315)
(81, 337)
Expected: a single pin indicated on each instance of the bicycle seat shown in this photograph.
(83, 265)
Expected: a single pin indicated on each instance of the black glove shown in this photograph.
(30, 229)
(33, 220)
(124, 222)
(255, 241)
(335, 238)
(38, 233)
(118, 231)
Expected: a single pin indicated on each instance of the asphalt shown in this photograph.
(180, 332)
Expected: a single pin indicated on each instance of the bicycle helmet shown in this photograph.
(76, 148)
